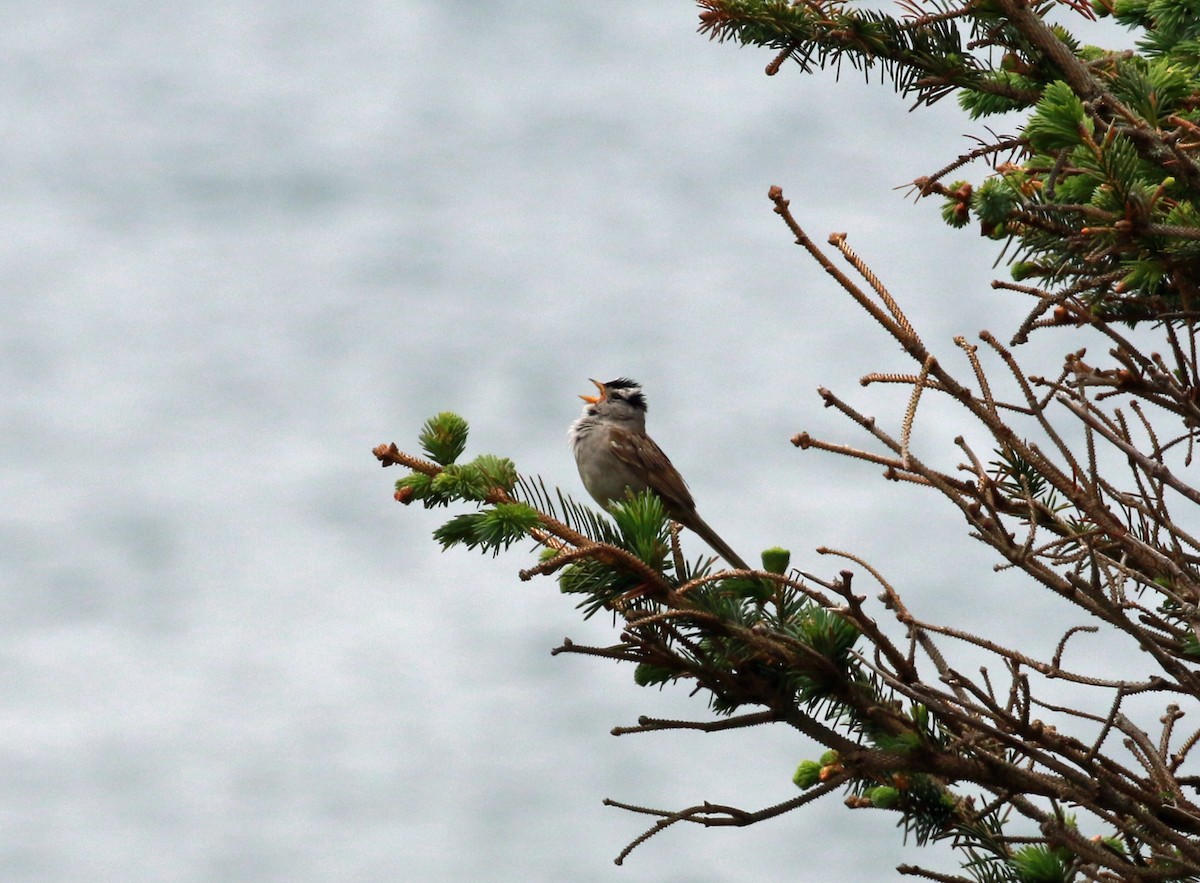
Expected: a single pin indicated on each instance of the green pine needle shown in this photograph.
(1059, 120)
(647, 675)
(496, 472)
(492, 530)
(642, 522)
(561, 507)
(444, 437)
(1037, 864)
(461, 483)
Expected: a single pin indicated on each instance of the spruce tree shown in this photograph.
(1086, 487)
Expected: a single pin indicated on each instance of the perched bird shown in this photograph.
(614, 455)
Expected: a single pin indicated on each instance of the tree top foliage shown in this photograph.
(1099, 193)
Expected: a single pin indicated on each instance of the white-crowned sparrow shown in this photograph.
(614, 455)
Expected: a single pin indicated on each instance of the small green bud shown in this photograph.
(830, 757)
(444, 437)
(646, 675)
(1021, 270)
(883, 796)
(495, 471)
(807, 774)
(776, 560)
(1037, 864)
(748, 589)
(413, 486)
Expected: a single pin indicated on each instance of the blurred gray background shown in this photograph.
(244, 242)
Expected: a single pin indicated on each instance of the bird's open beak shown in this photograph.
(591, 400)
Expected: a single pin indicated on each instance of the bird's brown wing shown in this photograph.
(647, 459)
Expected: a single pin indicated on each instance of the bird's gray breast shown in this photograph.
(604, 475)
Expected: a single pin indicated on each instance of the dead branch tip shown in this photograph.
(386, 454)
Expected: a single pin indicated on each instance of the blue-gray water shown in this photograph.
(244, 242)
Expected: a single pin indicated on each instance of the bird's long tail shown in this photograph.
(706, 533)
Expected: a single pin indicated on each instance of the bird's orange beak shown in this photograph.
(591, 400)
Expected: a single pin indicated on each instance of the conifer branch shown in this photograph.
(1079, 485)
